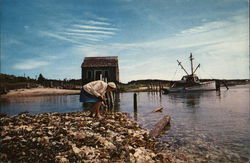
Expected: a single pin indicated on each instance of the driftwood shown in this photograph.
(160, 126)
(159, 109)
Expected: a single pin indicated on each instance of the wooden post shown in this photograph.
(51, 84)
(101, 77)
(217, 85)
(5, 90)
(108, 99)
(135, 102)
(225, 84)
(112, 98)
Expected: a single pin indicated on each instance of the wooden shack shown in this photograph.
(100, 68)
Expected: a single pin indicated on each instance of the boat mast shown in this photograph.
(179, 63)
(191, 60)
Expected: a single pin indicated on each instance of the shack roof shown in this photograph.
(109, 61)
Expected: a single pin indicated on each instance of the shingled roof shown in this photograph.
(111, 61)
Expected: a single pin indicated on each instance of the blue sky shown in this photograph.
(52, 37)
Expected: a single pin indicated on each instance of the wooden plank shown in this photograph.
(160, 126)
(159, 109)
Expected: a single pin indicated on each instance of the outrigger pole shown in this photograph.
(179, 63)
(197, 68)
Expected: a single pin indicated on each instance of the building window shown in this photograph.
(89, 75)
(106, 74)
(98, 75)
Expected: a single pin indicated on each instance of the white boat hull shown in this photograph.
(203, 86)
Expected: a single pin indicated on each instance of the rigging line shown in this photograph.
(175, 72)
(186, 62)
(206, 72)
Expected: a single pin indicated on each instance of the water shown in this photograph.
(208, 126)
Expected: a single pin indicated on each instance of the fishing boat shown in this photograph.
(189, 82)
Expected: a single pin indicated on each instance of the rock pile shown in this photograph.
(75, 137)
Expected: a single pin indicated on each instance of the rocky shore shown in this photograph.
(76, 137)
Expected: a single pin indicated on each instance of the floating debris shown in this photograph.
(159, 109)
(74, 137)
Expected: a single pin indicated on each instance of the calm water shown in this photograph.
(205, 126)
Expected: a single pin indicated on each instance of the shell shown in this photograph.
(73, 137)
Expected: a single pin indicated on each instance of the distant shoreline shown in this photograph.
(31, 92)
(39, 92)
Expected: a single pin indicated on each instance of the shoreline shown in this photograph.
(72, 137)
(39, 92)
(33, 92)
(140, 89)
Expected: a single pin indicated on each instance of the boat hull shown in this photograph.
(204, 86)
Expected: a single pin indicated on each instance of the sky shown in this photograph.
(52, 37)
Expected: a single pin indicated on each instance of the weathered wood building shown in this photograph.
(100, 68)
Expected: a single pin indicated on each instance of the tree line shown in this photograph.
(10, 82)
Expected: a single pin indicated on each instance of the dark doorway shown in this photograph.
(97, 75)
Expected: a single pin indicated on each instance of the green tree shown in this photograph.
(41, 79)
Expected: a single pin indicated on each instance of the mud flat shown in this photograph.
(39, 92)
(76, 137)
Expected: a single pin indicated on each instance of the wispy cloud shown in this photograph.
(59, 37)
(91, 31)
(30, 64)
(87, 31)
(205, 27)
(87, 36)
(220, 46)
(93, 22)
(51, 57)
(147, 38)
(94, 27)
(11, 41)
(80, 36)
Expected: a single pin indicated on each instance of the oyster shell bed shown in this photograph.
(76, 137)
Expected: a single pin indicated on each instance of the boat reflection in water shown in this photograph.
(189, 99)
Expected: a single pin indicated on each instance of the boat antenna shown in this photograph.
(191, 60)
(179, 64)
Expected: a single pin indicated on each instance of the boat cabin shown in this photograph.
(190, 79)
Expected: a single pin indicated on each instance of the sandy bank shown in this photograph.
(140, 89)
(75, 137)
(39, 92)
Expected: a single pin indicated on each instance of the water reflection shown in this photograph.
(135, 115)
(41, 104)
(211, 121)
(216, 120)
(190, 99)
(111, 108)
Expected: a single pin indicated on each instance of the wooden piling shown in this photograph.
(217, 85)
(225, 84)
(112, 98)
(135, 102)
